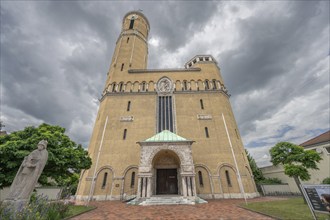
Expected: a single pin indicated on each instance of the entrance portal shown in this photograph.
(167, 181)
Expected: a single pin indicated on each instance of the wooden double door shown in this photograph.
(167, 181)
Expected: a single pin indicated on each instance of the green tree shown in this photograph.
(65, 158)
(256, 171)
(295, 159)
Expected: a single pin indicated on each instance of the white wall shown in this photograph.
(53, 193)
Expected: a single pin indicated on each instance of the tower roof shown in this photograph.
(166, 136)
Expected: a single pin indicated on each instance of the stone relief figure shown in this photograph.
(28, 174)
(164, 86)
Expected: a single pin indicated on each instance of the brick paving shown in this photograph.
(214, 209)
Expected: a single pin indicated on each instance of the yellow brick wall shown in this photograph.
(212, 155)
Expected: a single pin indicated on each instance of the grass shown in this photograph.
(75, 210)
(292, 208)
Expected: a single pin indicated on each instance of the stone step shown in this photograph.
(164, 200)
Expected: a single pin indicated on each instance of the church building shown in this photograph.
(163, 131)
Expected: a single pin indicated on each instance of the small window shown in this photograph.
(120, 87)
(201, 102)
(125, 134)
(132, 179)
(122, 67)
(143, 86)
(200, 177)
(114, 87)
(206, 59)
(129, 106)
(190, 64)
(228, 178)
(214, 84)
(127, 40)
(131, 24)
(194, 61)
(185, 87)
(328, 149)
(207, 132)
(104, 183)
(207, 85)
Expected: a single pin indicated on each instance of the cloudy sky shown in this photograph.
(274, 58)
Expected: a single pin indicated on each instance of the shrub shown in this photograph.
(39, 208)
(270, 181)
(326, 181)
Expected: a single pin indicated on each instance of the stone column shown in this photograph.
(144, 186)
(189, 186)
(193, 186)
(139, 188)
(184, 186)
(148, 187)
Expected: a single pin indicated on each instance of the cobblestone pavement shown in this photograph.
(214, 209)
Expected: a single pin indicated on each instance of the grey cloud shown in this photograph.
(264, 65)
(55, 55)
(177, 22)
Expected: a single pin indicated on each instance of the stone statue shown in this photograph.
(27, 176)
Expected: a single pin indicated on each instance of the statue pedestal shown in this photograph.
(15, 205)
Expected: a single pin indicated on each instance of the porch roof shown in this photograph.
(166, 136)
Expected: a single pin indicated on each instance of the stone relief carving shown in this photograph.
(144, 169)
(166, 160)
(164, 86)
(149, 152)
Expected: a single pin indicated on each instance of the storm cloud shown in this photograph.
(273, 56)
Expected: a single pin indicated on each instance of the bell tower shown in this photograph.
(131, 50)
(163, 131)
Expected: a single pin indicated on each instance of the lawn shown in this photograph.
(292, 208)
(77, 209)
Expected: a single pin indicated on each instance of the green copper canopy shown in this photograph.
(165, 136)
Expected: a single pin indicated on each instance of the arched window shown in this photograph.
(132, 179)
(104, 180)
(185, 87)
(207, 86)
(143, 86)
(114, 87)
(131, 24)
(120, 87)
(214, 84)
(200, 177)
(228, 178)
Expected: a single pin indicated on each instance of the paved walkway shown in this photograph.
(214, 209)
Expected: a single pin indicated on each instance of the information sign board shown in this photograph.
(318, 197)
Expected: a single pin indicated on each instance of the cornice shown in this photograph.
(132, 71)
(155, 93)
